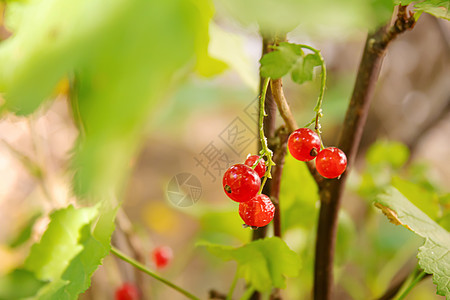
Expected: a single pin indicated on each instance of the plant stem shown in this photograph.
(265, 151)
(248, 293)
(412, 284)
(144, 269)
(269, 132)
(331, 191)
(233, 285)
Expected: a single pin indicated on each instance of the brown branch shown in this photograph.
(269, 132)
(278, 157)
(331, 191)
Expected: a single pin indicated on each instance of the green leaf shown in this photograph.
(425, 200)
(19, 284)
(59, 245)
(95, 242)
(263, 263)
(302, 72)
(437, 8)
(26, 231)
(434, 255)
(279, 62)
(392, 153)
(70, 250)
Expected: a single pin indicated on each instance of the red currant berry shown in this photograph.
(260, 167)
(258, 211)
(241, 183)
(331, 162)
(127, 292)
(304, 144)
(162, 256)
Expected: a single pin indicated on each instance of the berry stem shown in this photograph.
(248, 293)
(265, 151)
(323, 80)
(232, 287)
(416, 280)
(144, 269)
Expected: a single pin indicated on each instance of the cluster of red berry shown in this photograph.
(304, 145)
(161, 256)
(241, 182)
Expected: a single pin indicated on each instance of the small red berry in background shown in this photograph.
(258, 211)
(304, 144)
(331, 162)
(241, 183)
(260, 167)
(127, 291)
(162, 256)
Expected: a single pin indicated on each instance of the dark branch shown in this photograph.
(331, 191)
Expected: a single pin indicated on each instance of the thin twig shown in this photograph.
(144, 269)
(134, 243)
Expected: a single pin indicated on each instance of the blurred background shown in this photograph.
(202, 125)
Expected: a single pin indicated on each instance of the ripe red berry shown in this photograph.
(241, 183)
(260, 167)
(162, 256)
(304, 144)
(127, 292)
(331, 162)
(258, 211)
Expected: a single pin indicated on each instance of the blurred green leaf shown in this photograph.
(220, 225)
(25, 233)
(279, 62)
(387, 152)
(282, 16)
(19, 284)
(297, 202)
(302, 72)
(263, 263)
(426, 201)
(445, 220)
(434, 255)
(346, 234)
(123, 55)
(229, 47)
(206, 64)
